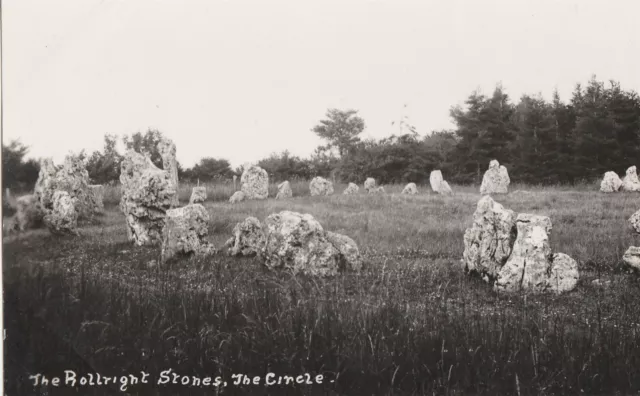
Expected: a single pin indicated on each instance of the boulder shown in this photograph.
(147, 193)
(167, 150)
(62, 217)
(351, 189)
(379, 190)
(564, 274)
(410, 189)
(284, 190)
(635, 221)
(248, 238)
(495, 180)
(185, 231)
(71, 177)
(320, 186)
(27, 214)
(632, 258)
(630, 181)
(350, 258)
(237, 196)
(255, 183)
(96, 197)
(610, 183)
(438, 184)
(370, 185)
(488, 242)
(198, 194)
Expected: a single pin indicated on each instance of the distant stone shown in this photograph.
(198, 194)
(62, 218)
(71, 177)
(370, 185)
(185, 232)
(438, 184)
(284, 190)
(632, 258)
(96, 197)
(27, 214)
(237, 196)
(610, 183)
(635, 221)
(379, 190)
(255, 183)
(600, 283)
(248, 238)
(410, 189)
(630, 181)
(351, 189)
(167, 150)
(489, 241)
(320, 186)
(496, 179)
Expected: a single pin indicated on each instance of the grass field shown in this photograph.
(410, 323)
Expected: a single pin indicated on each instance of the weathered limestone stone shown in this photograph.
(167, 150)
(630, 181)
(410, 189)
(147, 193)
(185, 231)
(379, 190)
(370, 185)
(611, 182)
(96, 197)
(564, 274)
(635, 221)
(488, 242)
(351, 189)
(496, 179)
(237, 196)
(438, 184)
(632, 258)
(198, 194)
(284, 190)
(350, 258)
(248, 238)
(62, 218)
(27, 214)
(255, 183)
(71, 177)
(320, 186)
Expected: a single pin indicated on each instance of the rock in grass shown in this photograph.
(610, 183)
(198, 195)
(255, 183)
(351, 189)
(635, 221)
(438, 184)
(27, 214)
(284, 190)
(237, 196)
(495, 180)
(564, 274)
(630, 181)
(410, 189)
(62, 218)
(96, 197)
(632, 258)
(320, 186)
(350, 258)
(185, 232)
(248, 238)
(167, 150)
(370, 185)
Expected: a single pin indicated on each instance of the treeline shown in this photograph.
(540, 142)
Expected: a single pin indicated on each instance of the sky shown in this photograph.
(243, 79)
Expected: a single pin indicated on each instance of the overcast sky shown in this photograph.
(241, 79)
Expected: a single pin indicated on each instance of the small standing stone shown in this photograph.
(496, 179)
(185, 232)
(237, 196)
(198, 194)
(63, 216)
(284, 190)
(611, 182)
(630, 181)
(320, 186)
(351, 189)
(632, 258)
(410, 189)
(635, 221)
(370, 185)
(255, 183)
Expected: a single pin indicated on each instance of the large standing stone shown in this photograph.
(248, 238)
(255, 183)
(370, 185)
(185, 231)
(198, 194)
(438, 184)
(284, 190)
(351, 189)
(630, 181)
(496, 179)
(71, 177)
(147, 193)
(237, 196)
(27, 214)
(632, 258)
(635, 221)
(96, 197)
(167, 150)
(488, 242)
(410, 189)
(62, 218)
(320, 186)
(611, 182)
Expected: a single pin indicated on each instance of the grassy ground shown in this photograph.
(410, 323)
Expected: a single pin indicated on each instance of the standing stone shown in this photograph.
(284, 190)
(410, 189)
(379, 190)
(488, 242)
(320, 186)
(198, 194)
(62, 218)
(635, 221)
(167, 150)
(438, 184)
(96, 197)
(71, 177)
(255, 183)
(237, 196)
(147, 193)
(610, 183)
(632, 258)
(247, 239)
(496, 179)
(351, 189)
(185, 231)
(370, 185)
(564, 274)
(27, 214)
(350, 258)
(630, 181)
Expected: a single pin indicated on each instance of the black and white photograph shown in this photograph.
(320, 197)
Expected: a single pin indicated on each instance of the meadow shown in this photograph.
(410, 323)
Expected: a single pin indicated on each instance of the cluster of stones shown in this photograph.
(254, 185)
(438, 184)
(611, 181)
(495, 180)
(295, 242)
(512, 251)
